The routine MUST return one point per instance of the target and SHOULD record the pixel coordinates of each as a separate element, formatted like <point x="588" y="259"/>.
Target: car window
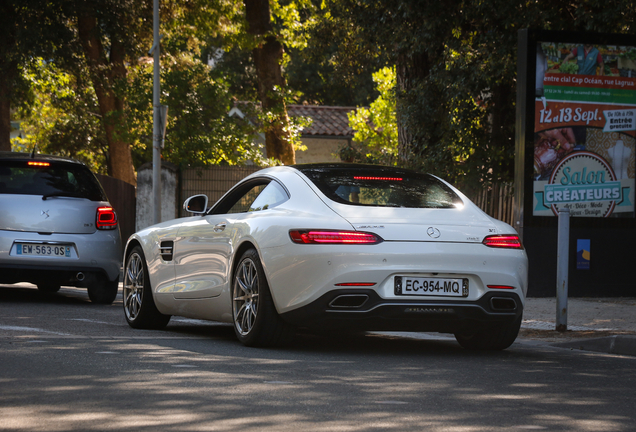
<point x="255" y="195"/>
<point x="243" y="204"/>
<point x="271" y="196"/>
<point x="49" y="179"/>
<point x="380" y="186"/>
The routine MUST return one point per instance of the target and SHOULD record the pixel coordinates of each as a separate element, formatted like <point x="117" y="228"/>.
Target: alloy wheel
<point x="133" y="286"/>
<point x="245" y="296"/>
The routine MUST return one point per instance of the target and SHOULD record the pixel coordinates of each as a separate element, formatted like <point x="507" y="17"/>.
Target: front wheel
<point x="139" y="305"/>
<point x="256" y="322"/>
<point x="494" y="339"/>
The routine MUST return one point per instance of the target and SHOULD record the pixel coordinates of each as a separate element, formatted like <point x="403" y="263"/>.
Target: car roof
<point x="336" y="165"/>
<point x="354" y="167"/>
<point x="17" y="156"/>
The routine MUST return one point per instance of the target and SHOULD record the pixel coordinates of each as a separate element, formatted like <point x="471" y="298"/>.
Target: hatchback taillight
<point x="333" y="237"/>
<point x="503" y="241"/>
<point x="106" y="218"/>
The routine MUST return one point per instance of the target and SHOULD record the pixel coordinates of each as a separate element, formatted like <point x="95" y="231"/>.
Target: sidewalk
<point x="594" y="324"/>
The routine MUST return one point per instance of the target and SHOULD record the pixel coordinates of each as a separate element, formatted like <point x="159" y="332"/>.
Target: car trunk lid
<point x="30" y="213"/>
<point x="465" y="225"/>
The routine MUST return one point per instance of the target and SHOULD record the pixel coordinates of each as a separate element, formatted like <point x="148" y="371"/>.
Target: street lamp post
<point x="157" y="133"/>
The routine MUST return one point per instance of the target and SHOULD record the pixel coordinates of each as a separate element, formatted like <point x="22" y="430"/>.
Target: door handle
<point x="220" y="227"/>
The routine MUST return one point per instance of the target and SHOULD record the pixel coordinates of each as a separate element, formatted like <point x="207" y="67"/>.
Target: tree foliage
<point x="199" y="131"/>
<point x="454" y="62"/>
<point x="376" y="126"/>
<point x="98" y="90"/>
<point x="62" y="117"/>
<point x="29" y="29"/>
<point x="456" y="67"/>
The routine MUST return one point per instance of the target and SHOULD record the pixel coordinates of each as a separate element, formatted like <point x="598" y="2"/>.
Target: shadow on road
<point x="24" y="293"/>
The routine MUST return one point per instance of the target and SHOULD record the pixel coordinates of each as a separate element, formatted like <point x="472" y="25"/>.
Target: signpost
<point x="563" y="255"/>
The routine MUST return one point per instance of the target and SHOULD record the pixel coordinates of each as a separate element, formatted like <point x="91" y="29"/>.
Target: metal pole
<point x="156" y="120"/>
<point x="562" y="270"/>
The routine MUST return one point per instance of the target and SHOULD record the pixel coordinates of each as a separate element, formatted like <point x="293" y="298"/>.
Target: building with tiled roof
<point x="328" y="121"/>
<point x="328" y="132"/>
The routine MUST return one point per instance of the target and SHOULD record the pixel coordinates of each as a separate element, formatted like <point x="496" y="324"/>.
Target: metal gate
<point x="212" y="181"/>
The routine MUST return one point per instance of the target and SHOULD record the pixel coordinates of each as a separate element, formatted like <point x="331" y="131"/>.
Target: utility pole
<point x="157" y="133"/>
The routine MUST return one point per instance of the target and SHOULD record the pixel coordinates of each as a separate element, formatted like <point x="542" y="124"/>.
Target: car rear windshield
<point x="380" y="186"/>
<point x="49" y="179"/>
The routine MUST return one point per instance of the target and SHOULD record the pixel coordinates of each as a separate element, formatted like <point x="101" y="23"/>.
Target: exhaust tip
<point x="503" y="304"/>
<point x="349" y="301"/>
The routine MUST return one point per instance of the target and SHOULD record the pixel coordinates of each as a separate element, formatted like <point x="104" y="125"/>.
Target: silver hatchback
<point x="57" y="227"/>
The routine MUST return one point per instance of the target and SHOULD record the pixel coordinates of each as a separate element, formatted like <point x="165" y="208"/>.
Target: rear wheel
<point x="103" y="291"/>
<point x="494" y="338"/>
<point x="256" y="322"/>
<point x="139" y="305"/>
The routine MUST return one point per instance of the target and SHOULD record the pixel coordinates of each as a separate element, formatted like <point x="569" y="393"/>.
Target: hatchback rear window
<point x="366" y="185"/>
<point x="49" y="179"/>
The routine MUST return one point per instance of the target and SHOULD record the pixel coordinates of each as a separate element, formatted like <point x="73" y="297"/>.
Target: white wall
<point x="169" y="194"/>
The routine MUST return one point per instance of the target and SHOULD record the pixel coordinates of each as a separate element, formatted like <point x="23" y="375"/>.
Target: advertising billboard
<point x="584" y="129"/>
<point x="575" y="137"/>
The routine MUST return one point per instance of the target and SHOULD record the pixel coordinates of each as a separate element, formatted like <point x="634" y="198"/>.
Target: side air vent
<point x="165" y="250"/>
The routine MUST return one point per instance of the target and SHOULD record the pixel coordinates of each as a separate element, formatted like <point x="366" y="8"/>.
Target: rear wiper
<point x="61" y="194"/>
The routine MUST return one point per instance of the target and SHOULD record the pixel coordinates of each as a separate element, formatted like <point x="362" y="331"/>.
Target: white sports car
<point x="332" y="246"/>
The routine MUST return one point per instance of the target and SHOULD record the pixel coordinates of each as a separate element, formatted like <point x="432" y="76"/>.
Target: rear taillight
<point x="106" y="218"/>
<point x="333" y="237"/>
<point x="500" y="287"/>
<point x="503" y="241"/>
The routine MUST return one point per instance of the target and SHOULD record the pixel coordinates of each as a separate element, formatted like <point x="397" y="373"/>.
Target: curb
<point x="618" y="344"/>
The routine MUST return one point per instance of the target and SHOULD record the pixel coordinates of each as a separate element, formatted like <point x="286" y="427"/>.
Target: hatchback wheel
<point x="103" y="291"/>
<point x="139" y="305"/>
<point x="256" y="322"/>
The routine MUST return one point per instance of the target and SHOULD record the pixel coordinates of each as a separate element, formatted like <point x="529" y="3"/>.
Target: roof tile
<point x="327" y="120"/>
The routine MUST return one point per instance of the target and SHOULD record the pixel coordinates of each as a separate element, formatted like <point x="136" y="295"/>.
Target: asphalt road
<point x="68" y="365"/>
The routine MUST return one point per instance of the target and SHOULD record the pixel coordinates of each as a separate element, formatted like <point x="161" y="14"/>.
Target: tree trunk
<point x="104" y="74"/>
<point x="8" y="71"/>
<point x="421" y="110"/>
<point x="268" y="56"/>
<point x="502" y="142"/>
<point x="5" y="115"/>
<point x="410" y="70"/>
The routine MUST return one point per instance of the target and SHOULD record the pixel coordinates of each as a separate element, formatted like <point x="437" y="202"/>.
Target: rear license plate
<point x="425" y="286"/>
<point x="44" y="250"/>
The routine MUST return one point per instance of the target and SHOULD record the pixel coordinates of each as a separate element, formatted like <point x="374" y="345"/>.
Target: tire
<point x="493" y="339"/>
<point x="256" y="322"/>
<point x="103" y="291"/>
<point x="48" y="288"/>
<point x="139" y="306"/>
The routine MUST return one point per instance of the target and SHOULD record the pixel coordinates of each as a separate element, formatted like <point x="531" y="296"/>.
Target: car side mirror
<point x="197" y="204"/>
